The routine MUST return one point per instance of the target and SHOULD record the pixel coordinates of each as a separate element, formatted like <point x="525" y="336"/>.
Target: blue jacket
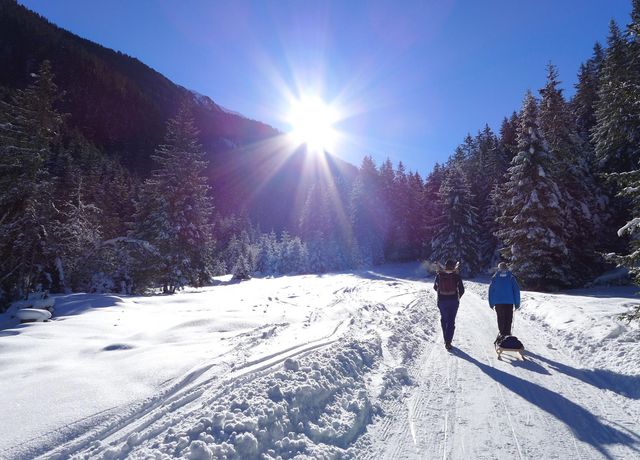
<point x="504" y="289"/>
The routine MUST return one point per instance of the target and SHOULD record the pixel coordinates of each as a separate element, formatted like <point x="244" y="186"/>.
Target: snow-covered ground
<point x="336" y="366"/>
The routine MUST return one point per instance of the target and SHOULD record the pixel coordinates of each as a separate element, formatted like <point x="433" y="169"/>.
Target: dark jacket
<point x="459" y="285"/>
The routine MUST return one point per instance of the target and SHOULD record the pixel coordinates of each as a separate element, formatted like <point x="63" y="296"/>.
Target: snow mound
<point x="312" y="406"/>
<point x="588" y="324"/>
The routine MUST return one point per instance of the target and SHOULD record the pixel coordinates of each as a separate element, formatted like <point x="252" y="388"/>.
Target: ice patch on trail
<point x="313" y="406"/>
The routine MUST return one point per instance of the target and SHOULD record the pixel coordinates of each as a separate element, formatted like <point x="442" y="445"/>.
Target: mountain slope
<point x="118" y="102"/>
<point x="121" y="105"/>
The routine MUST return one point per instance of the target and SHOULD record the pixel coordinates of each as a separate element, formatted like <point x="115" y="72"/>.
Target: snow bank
<point x="587" y="323"/>
<point x="313" y="406"/>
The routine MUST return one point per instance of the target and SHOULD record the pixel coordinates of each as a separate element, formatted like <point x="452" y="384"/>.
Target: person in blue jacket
<point x="504" y="298"/>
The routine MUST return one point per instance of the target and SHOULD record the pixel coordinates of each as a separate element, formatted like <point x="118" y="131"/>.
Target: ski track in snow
<point x="378" y="384"/>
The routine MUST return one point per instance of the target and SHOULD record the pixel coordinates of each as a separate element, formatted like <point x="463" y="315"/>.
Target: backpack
<point x="510" y="342"/>
<point x="448" y="284"/>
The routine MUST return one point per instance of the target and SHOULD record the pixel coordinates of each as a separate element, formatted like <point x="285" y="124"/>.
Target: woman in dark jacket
<point x="449" y="287"/>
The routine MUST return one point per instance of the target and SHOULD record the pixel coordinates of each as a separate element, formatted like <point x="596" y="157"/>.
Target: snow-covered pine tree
<point x="393" y="192"/>
<point x="242" y="269"/>
<point x="294" y="254"/>
<point x="368" y="215"/>
<point x="629" y="183"/>
<point x="466" y="152"/>
<point x="29" y="130"/>
<point x="76" y="231"/>
<point x="492" y="256"/>
<point x="486" y="168"/>
<point x="457" y="231"/>
<point x="269" y="254"/>
<point x="531" y="223"/>
<point x="387" y="188"/>
<point x="627" y="176"/>
<point x="414" y="216"/>
<point x="431" y="210"/>
<point x="175" y="209"/>
<point x="584" y="101"/>
<point x="574" y="178"/>
<point x="314" y="226"/>
<point x="616" y="134"/>
<point x="633" y="37"/>
<point x="509" y="137"/>
<point x="242" y="256"/>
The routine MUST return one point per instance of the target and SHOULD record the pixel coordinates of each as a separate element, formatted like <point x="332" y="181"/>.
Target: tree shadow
<point x="584" y="425"/>
<point x="9" y="333"/>
<point x="625" y="385"/>
<point x="75" y="304"/>
<point x="605" y="292"/>
<point x="410" y="271"/>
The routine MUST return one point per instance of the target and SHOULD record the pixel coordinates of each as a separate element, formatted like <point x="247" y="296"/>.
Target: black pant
<point x="505" y="316"/>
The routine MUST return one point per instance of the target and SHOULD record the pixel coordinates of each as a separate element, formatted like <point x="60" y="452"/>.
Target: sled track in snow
<point x="469" y="404"/>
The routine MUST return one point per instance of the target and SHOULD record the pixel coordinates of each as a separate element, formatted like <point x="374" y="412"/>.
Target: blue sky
<point x="412" y="78"/>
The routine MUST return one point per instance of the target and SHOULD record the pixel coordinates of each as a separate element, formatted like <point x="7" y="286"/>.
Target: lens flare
<point x="312" y="121"/>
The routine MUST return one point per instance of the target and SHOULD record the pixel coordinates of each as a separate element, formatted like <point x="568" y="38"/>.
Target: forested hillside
<point x="116" y="179"/>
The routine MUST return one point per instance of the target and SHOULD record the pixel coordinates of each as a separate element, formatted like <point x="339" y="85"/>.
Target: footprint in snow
<point x="118" y="346"/>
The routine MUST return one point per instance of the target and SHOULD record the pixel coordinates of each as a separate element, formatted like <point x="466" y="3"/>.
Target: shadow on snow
<point x="584" y="425"/>
<point x="625" y="385"/>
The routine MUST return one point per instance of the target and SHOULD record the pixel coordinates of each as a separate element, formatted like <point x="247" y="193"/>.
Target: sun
<point x="312" y="121"/>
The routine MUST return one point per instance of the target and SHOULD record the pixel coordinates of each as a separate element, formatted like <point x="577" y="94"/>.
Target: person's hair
<point x="502" y="266"/>
<point x="449" y="264"/>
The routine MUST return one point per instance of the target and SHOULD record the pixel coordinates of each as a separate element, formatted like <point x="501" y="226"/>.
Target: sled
<point x="518" y="351"/>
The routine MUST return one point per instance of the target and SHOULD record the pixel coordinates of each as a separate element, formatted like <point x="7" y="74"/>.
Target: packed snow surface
<point x="346" y="365"/>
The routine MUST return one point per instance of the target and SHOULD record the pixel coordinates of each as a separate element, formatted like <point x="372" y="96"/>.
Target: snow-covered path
<point x="469" y="404"/>
<point x="347" y="365"/>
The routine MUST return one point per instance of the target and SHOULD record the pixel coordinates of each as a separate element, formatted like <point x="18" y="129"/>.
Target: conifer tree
<point x="531" y="221"/>
<point x="622" y="131"/>
<point x="491" y="255"/>
<point x="368" y="216"/>
<point x="616" y="134"/>
<point x="29" y="130"/>
<point x="175" y="210"/>
<point x="414" y="216"/>
<point x="508" y="142"/>
<point x="573" y="177"/>
<point x="586" y="96"/>
<point x="456" y="237"/>
<point x="324" y="229"/>
<point x="486" y="168"/>
<point x="387" y="186"/>
<point x="431" y="207"/>
<point x="398" y="204"/>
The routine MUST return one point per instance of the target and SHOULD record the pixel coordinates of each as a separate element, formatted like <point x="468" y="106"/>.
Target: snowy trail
<point x="469" y="404"/>
<point x="343" y="367"/>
